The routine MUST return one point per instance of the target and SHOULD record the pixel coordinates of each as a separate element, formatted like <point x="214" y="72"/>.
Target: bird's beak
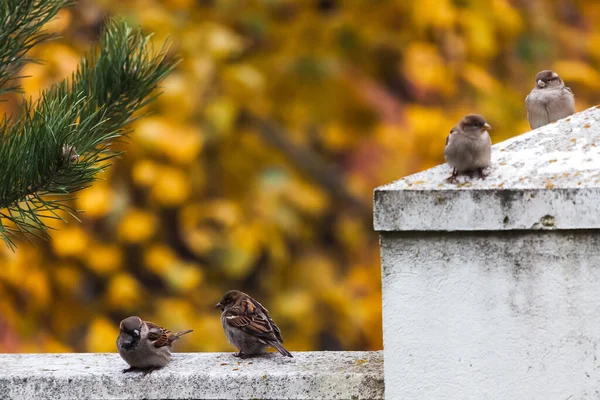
<point x="541" y="83"/>
<point x="218" y="305"/>
<point x="487" y="127"/>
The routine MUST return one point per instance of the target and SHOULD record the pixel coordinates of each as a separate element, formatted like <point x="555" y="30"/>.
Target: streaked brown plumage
<point x="248" y="326"/>
<point x="145" y="345"/>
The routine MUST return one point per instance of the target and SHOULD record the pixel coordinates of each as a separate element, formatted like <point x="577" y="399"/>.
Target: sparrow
<point x="248" y="326"/>
<point x="549" y="101"/>
<point x="144" y="345"/>
<point x="468" y="146"/>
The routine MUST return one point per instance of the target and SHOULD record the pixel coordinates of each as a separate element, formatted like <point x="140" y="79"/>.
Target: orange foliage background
<point x="256" y="167"/>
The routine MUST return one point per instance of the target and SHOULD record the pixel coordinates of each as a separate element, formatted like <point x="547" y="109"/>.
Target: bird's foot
<point x="239" y="354"/>
<point x="481" y="174"/>
<point x="145" y="371"/>
<point x="150" y="370"/>
<point x="452" y="178"/>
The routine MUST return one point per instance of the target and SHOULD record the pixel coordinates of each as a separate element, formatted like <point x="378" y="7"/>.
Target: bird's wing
<point x="452" y="132"/>
<point x="265" y="314"/>
<point x="568" y="89"/>
<point x="251" y="317"/>
<point x="158" y="335"/>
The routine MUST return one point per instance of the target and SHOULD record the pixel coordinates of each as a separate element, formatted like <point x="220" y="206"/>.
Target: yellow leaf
<point x="436" y="13"/>
<point x="36" y="284"/>
<point x="479" y="32"/>
<point x="68" y="277"/>
<point x="171" y="187"/>
<point x="577" y="71"/>
<point x="102" y="335"/>
<point x="123" y="292"/>
<point x="58" y="23"/>
<point x="480" y="78"/>
<point x="184" y="277"/>
<point x="508" y="19"/>
<point x="104" y="259"/>
<point x="137" y="226"/>
<point x="144" y="172"/>
<point x="425" y="68"/>
<point x="69" y="241"/>
<point x="96" y="201"/>
<point x="159" y="258"/>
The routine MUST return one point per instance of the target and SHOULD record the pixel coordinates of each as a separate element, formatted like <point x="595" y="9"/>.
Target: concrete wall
<point x="491" y="288"/>
<point x="309" y="375"/>
<point x="510" y="315"/>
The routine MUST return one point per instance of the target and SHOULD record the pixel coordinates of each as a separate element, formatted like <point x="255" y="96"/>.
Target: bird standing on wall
<point x="549" y="101"/>
<point x="145" y="345"/>
<point x="469" y="146"/>
<point x="248" y="326"/>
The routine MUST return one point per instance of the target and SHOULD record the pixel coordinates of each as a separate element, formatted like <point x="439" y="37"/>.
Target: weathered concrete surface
<point x="491" y="288"/>
<point x="504" y="315"/>
<point x="309" y="375"/>
<point x="548" y="178"/>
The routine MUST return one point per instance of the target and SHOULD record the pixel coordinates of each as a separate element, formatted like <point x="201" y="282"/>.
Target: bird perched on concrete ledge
<point x="549" y="101"/>
<point x="468" y="146"/>
<point x="144" y="345"/>
<point x="248" y="326"/>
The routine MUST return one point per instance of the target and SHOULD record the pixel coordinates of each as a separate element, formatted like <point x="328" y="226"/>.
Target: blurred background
<point x="256" y="167"/>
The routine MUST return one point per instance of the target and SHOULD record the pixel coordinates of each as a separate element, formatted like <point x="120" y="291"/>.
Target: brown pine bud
<point x="69" y="154"/>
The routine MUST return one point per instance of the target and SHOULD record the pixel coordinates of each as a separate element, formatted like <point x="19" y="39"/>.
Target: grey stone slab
<point x="309" y="375"/>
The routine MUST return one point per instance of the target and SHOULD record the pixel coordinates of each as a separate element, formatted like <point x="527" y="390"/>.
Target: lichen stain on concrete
<point x="508" y="196"/>
<point x="519" y="270"/>
<point x="548" y="221"/>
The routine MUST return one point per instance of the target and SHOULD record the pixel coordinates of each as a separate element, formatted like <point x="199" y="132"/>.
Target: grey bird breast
<point x="145" y="355"/>
<point x="545" y="106"/>
<point x="248" y="344"/>
<point x="468" y="153"/>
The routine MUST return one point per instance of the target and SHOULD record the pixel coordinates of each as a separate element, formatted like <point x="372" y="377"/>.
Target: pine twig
<point x="21" y="23"/>
<point x="61" y="142"/>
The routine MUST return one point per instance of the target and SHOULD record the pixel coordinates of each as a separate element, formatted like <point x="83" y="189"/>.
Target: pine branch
<point x="61" y="142"/>
<point x="21" y="22"/>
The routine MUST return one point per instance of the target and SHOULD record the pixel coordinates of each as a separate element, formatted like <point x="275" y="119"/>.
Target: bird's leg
<point x="452" y="178"/>
<point x="150" y="370"/>
<point x="130" y="369"/>
<point x="481" y="174"/>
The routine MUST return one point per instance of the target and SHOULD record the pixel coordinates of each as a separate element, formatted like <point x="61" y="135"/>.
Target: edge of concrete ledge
<point x="309" y="375"/>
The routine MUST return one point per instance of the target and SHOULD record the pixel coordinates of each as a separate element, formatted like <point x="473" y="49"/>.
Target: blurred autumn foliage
<point x="256" y="166"/>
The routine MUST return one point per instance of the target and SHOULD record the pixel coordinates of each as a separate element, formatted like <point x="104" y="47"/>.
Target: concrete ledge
<point x="544" y="179"/>
<point x="309" y="375"/>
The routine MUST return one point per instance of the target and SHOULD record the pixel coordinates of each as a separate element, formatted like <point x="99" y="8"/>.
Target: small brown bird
<point x="549" y="101"/>
<point x="144" y="345"/>
<point x="248" y="326"/>
<point x="468" y="146"/>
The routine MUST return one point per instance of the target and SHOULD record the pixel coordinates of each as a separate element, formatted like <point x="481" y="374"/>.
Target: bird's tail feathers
<point x="178" y="335"/>
<point x="282" y="350"/>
